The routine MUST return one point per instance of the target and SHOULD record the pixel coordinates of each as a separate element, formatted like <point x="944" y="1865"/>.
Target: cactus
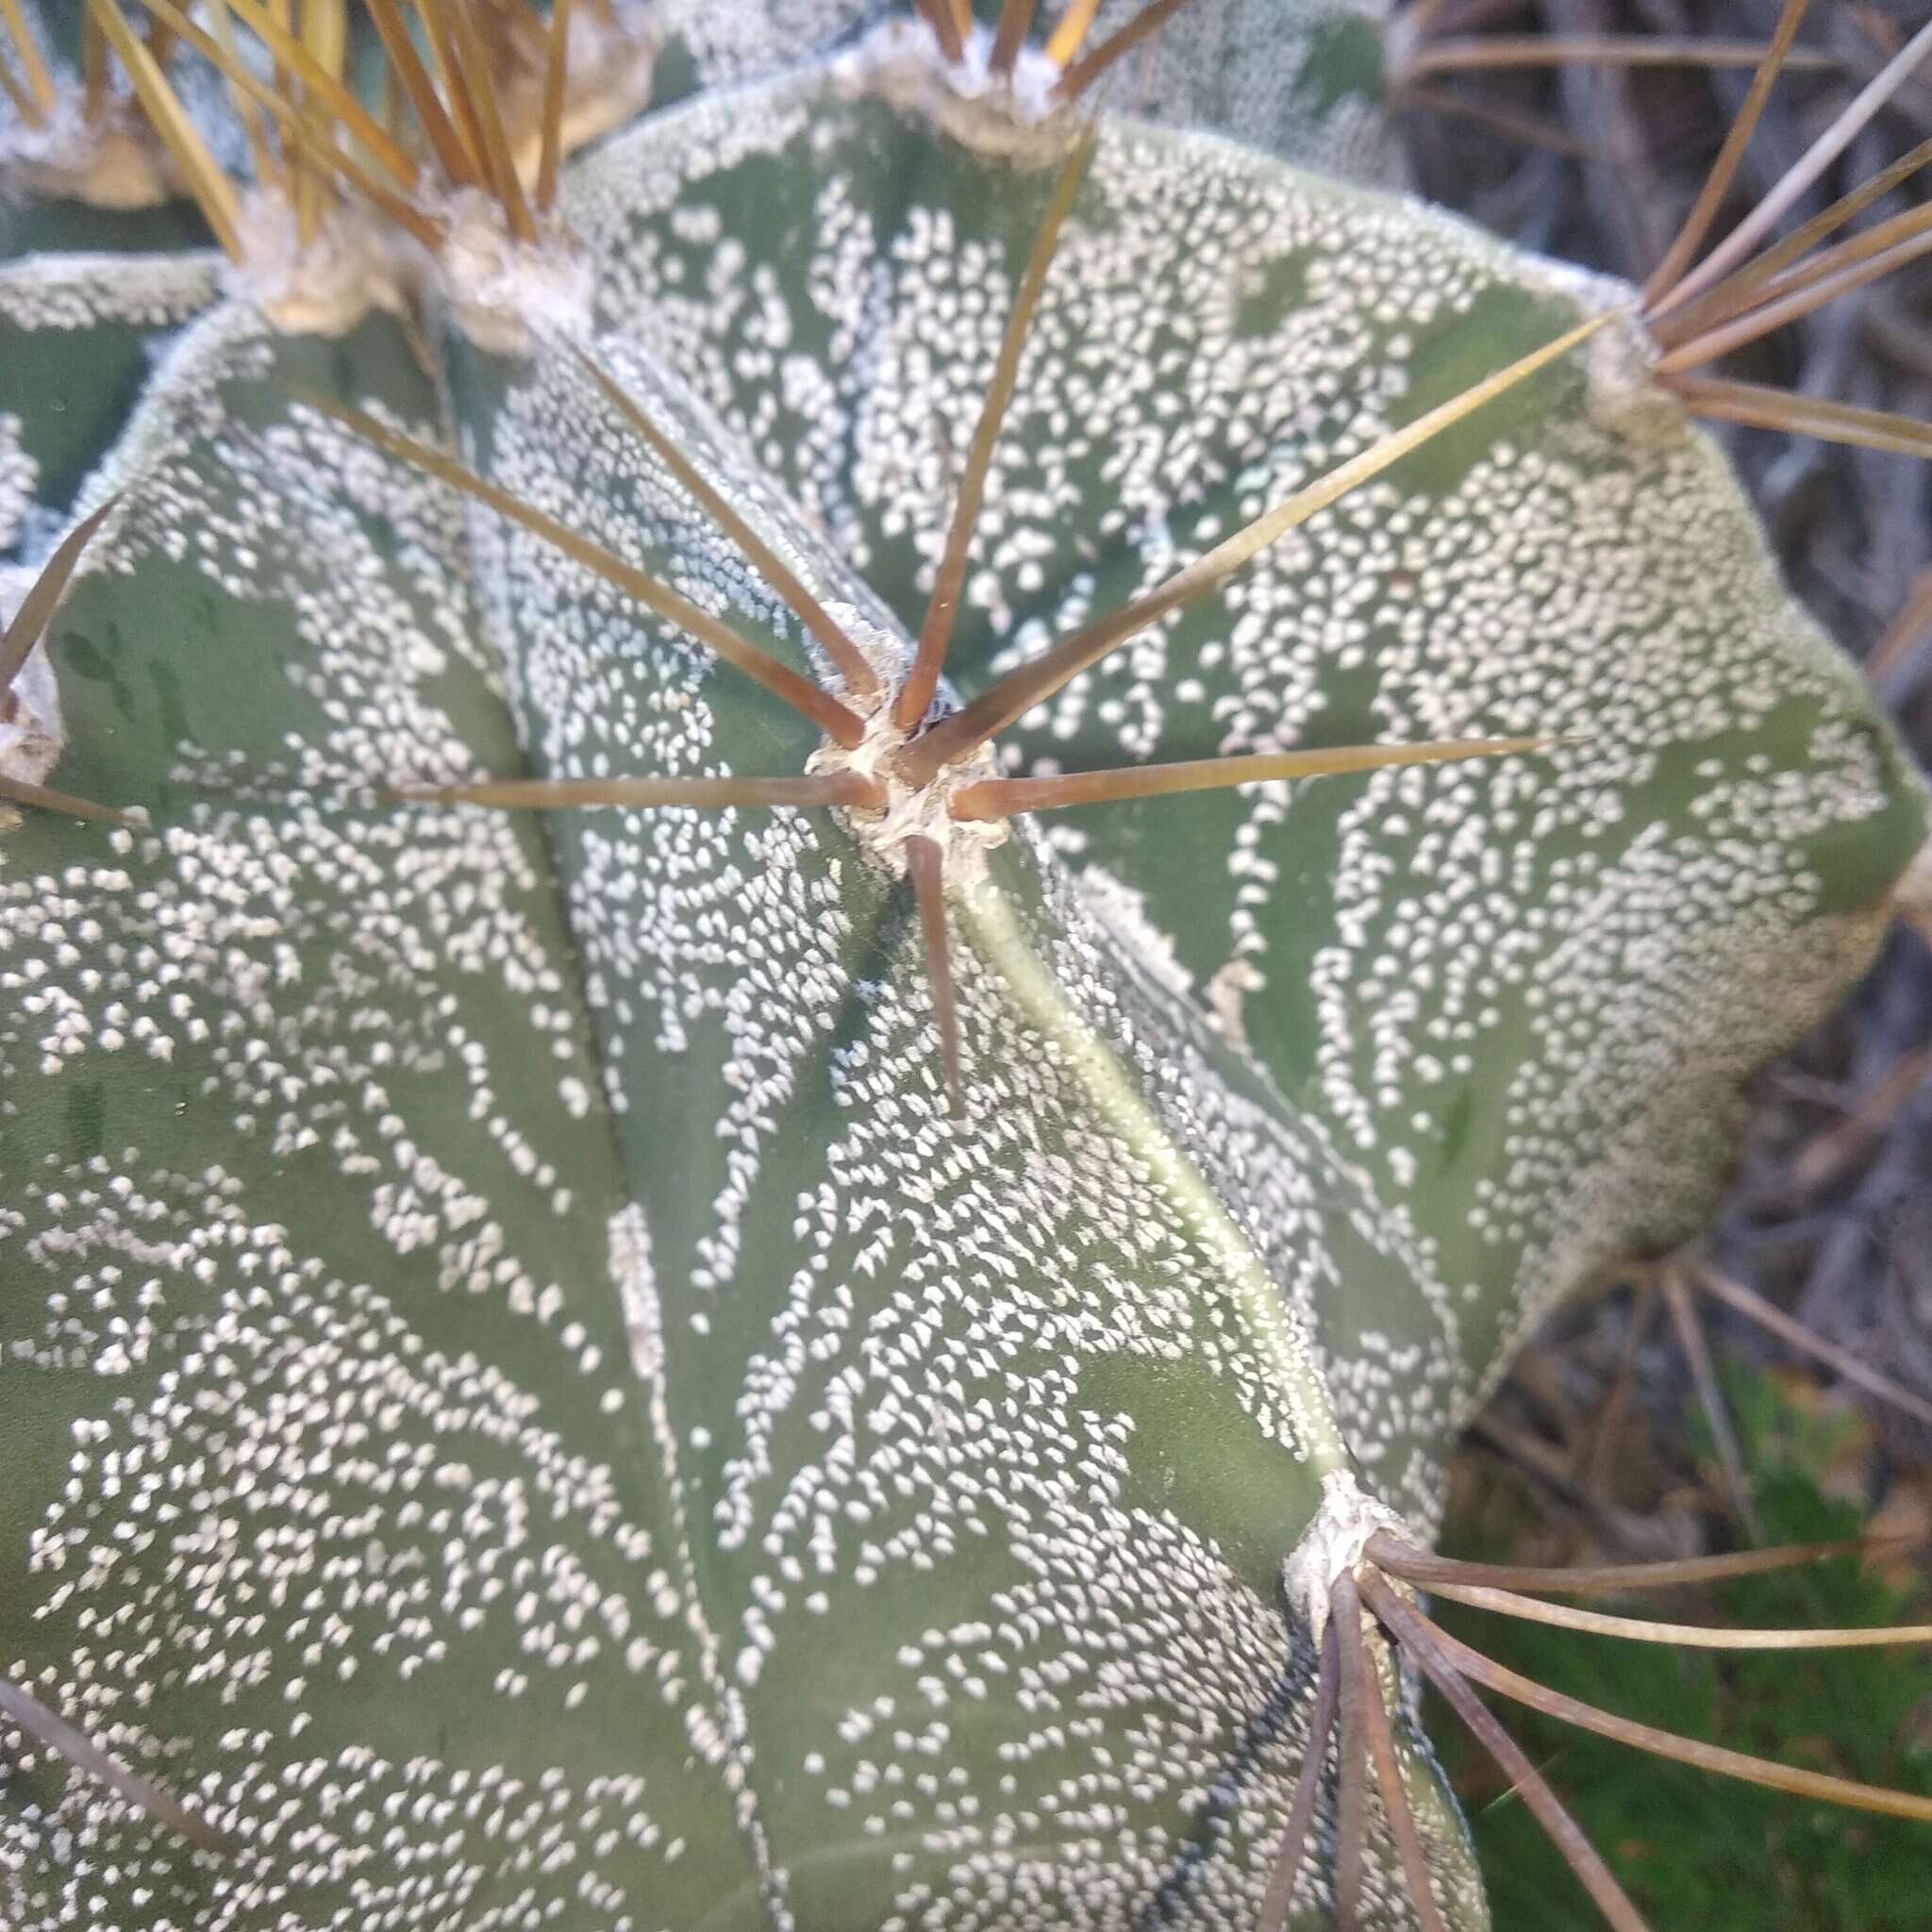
<point x="81" y="175"/>
<point x="858" y="1325"/>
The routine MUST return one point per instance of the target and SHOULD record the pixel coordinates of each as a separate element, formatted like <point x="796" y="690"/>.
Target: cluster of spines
<point x="1080" y="65"/>
<point x="441" y="126"/>
<point x="448" y="71"/>
<point x="930" y="746"/>
<point x="1696" y="309"/>
<point x="32" y="90"/>
<point x="1699" y="310"/>
<point x="1372" y="1604"/>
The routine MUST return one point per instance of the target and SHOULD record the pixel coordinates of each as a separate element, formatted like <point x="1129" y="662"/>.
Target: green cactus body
<point x="79" y="322"/>
<point x="521" y="1405"/>
<point x="78" y="337"/>
<point x="1554" y="565"/>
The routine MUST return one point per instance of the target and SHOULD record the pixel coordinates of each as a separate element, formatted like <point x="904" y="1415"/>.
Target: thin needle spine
<point x="1089" y="68"/>
<point x="556" y="77"/>
<point x="472" y="66"/>
<point x="1387" y="1769"/>
<point x="1843" y="275"/>
<point x="37" y="608"/>
<point x="414" y="78"/>
<point x="63" y="804"/>
<point x="324" y="41"/>
<point x="859" y="674"/>
<point x="1016" y="693"/>
<point x="40" y="82"/>
<point x="78" y="1749"/>
<point x="849" y="788"/>
<point x="206" y="180"/>
<point x="269" y="172"/>
<point x="1016" y="23"/>
<point x="1063" y="45"/>
<point x="1789" y="1779"/>
<point x="822" y="709"/>
<point x="1415" y="1635"/>
<point x="937" y="14"/>
<point x="1754" y="406"/>
<point x="442" y="52"/>
<point x="303" y="131"/>
<point x="1279" y="1897"/>
<point x="1431" y="1572"/>
<point x="1531" y="1610"/>
<point x="327" y="85"/>
<point x="916" y="694"/>
<point x="1730" y="295"/>
<point x="1799" y="179"/>
<point x="25" y="105"/>
<point x="1502" y="51"/>
<point x="28" y="626"/>
<point x="999" y="798"/>
<point x="1704" y="212"/>
<point x="1352" y="1805"/>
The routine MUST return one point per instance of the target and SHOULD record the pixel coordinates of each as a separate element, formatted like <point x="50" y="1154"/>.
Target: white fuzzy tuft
<point x="31" y="738"/>
<point x="324" y="285"/>
<point x="503" y="292"/>
<point x="70" y="157"/>
<point x="901" y="61"/>
<point x="1332" y="1546"/>
<point x="921" y="812"/>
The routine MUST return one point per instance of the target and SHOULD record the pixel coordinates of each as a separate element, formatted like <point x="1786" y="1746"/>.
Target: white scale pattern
<point x="1609" y="582"/>
<point x="894" y="1301"/>
<point x="287" y="1481"/>
<point x="18" y="475"/>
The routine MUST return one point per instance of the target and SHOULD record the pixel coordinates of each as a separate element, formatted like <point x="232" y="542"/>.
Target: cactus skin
<point x="352" y="1320"/>
<point x="327" y="1207"/>
<point x="352" y="954"/>
<point x="1294" y="75"/>
<point x="78" y="339"/>
<point x="1279" y="355"/>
